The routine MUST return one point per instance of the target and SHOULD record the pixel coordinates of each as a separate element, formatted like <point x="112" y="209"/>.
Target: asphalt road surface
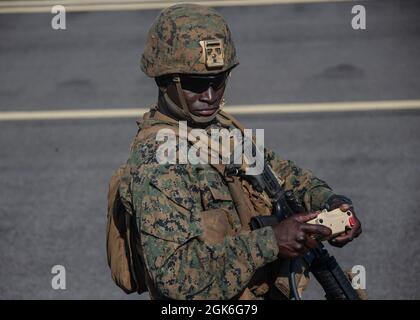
<point x="54" y="174"/>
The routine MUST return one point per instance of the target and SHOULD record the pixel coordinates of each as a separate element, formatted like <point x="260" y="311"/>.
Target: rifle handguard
<point x="263" y="221"/>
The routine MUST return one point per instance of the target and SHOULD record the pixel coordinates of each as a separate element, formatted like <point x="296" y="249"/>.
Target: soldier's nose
<point x="208" y="95"/>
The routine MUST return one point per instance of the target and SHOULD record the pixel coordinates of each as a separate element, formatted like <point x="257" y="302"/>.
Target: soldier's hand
<point x="349" y="235"/>
<point x="295" y="237"/>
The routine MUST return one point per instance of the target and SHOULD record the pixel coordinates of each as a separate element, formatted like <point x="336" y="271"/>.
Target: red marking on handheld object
<point x="352" y="221"/>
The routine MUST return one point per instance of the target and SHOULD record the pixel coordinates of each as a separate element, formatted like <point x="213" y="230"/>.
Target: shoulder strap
<point x="242" y="203"/>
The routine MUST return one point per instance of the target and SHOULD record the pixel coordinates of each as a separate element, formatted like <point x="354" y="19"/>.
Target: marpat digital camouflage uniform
<point x="171" y="201"/>
<point x="193" y="243"/>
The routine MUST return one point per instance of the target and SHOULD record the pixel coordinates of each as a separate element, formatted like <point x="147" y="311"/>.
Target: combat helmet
<point x="188" y="39"/>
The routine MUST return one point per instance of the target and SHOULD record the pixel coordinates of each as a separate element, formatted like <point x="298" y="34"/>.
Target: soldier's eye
<point x="196" y="85"/>
<point x="200" y="84"/>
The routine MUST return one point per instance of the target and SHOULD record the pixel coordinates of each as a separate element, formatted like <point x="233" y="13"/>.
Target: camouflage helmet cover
<point x="188" y="39"/>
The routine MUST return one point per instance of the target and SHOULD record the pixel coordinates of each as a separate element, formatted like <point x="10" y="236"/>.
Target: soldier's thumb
<point x="305" y="217"/>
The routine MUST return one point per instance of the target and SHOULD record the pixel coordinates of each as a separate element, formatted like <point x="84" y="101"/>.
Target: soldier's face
<point x="203" y="94"/>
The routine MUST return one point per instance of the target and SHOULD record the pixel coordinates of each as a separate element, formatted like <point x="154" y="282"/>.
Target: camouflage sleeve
<point x="181" y="263"/>
<point x="308" y="189"/>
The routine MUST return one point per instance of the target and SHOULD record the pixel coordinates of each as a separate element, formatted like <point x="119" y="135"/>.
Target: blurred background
<point x="54" y="173"/>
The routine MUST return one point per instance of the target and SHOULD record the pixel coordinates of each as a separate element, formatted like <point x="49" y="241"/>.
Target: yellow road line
<point x="238" y="110"/>
<point x="72" y="114"/>
<point x="328" y="107"/>
<point x="129" y="5"/>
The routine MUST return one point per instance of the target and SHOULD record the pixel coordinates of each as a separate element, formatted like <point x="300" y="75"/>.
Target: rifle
<point x="321" y="264"/>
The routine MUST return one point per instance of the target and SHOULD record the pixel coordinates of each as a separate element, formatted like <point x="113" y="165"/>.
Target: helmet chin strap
<point x="184" y="112"/>
<point x="173" y="108"/>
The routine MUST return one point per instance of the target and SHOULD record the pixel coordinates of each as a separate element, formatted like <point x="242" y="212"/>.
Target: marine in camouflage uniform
<point x="193" y="242"/>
